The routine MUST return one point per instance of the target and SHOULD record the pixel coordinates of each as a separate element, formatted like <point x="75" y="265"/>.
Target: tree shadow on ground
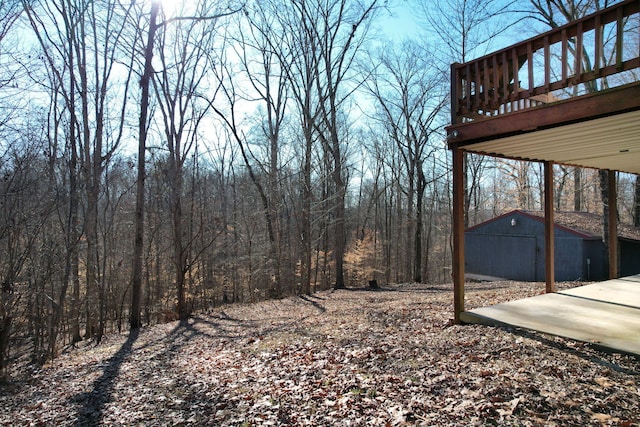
<point x="196" y="326"/>
<point x="321" y="308"/>
<point x="563" y="346"/>
<point x="399" y="289"/>
<point x="91" y="404"/>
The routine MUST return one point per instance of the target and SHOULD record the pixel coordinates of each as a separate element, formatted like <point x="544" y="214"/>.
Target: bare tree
<point x="466" y="29"/>
<point x="339" y="28"/>
<point x="9" y="13"/>
<point x="296" y="48"/>
<point x="410" y="98"/>
<point x="80" y="43"/>
<point x="261" y="56"/>
<point x="184" y="55"/>
<point x="171" y="117"/>
<point x="135" y="320"/>
<point x="25" y="211"/>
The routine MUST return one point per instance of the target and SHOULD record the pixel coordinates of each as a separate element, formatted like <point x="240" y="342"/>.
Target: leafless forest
<point x="160" y="160"/>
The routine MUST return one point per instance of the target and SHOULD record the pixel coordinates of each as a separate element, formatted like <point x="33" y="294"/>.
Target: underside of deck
<point x="569" y="96"/>
<point x="605" y="314"/>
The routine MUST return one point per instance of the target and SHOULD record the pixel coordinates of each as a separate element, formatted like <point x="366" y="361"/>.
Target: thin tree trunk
<point x="417" y="261"/>
<point x="340" y="232"/>
<point x="306" y="213"/>
<point x="604" y="197"/>
<point x="410" y="226"/>
<point x="577" y="189"/>
<point x="73" y="233"/>
<point x="135" y="320"/>
<point x="5" y="328"/>
<point x="180" y="258"/>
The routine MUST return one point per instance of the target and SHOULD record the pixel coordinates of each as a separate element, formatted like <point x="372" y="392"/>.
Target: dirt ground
<point x="388" y="357"/>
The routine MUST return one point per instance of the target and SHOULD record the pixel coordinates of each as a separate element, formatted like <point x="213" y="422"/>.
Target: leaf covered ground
<point x="346" y="358"/>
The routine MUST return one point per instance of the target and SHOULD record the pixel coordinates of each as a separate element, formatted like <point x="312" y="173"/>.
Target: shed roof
<point x="585" y="224"/>
<point x="589" y="222"/>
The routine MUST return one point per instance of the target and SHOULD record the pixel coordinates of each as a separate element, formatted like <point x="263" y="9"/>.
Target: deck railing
<point x="572" y="60"/>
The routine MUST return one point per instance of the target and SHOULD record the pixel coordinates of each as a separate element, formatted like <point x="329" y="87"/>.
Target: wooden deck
<point x="506" y="103"/>
<point x="606" y="314"/>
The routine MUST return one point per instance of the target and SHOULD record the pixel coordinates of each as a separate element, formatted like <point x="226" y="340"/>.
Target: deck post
<point x="612" y="201"/>
<point x="458" y="232"/>
<point x="549" y="236"/>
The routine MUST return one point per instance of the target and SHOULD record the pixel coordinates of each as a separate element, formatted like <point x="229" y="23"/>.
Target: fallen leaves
<point x="352" y="358"/>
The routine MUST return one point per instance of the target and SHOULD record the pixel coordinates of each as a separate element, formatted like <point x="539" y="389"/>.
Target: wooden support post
<point x="612" y="199"/>
<point x="458" y="232"/>
<point x="549" y="236"/>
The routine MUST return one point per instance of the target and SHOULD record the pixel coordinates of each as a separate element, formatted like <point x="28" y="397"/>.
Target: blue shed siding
<point x="596" y="260"/>
<point x="629" y="258"/>
<point x="515" y="250"/>
<point x="568" y="259"/>
<point x="500" y="255"/>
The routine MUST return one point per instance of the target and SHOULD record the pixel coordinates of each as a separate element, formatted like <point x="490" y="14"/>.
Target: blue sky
<point x="402" y="23"/>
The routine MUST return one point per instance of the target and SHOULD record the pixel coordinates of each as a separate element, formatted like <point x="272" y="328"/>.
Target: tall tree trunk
<point x="5" y="328"/>
<point x="417" y="261"/>
<point x="70" y="275"/>
<point x="636" y="203"/>
<point x="604" y="197"/>
<point x="75" y="303"/>
<point x="274" y="196"/>
<point x="91" y="182"/>
<point x="340" y="237"/>
<point x="410" y="245"/>
<point x="135" y="320"/>
<point x="73" y="233"/>
<point x="339" y="230"/>
<point x="306" y="213"/>
<point x="93" y="300"/>
<point x="180" y="254"/>
<point x="577" y="189"/>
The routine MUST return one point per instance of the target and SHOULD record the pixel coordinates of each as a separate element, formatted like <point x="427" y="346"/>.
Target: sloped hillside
<point x="356" y="357"/>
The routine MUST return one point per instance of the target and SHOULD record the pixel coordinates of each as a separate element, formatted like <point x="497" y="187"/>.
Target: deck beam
<point x="458" y="233"/>
<point x="549" y="235"/>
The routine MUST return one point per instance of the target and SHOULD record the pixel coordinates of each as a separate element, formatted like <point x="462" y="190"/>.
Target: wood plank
<point x="601" y="104"/>
<point x="456" y="87"/>
<point x="599" y="45"/>
<point x="565" y="56"/>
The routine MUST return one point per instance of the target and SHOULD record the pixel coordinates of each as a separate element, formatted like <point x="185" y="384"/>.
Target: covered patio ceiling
<point x="611" y="143"/>
<point x="600" y="131"/>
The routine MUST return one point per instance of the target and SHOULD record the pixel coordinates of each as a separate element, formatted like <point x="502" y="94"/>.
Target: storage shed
<point x="511" y="246"/>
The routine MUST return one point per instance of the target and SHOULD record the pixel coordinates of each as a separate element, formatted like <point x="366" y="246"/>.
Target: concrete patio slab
<point x="625" y="291"/>
<point x="606" y="314"/>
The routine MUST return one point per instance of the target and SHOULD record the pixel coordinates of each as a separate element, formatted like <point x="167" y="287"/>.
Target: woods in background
<point x="280" y="151"/>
